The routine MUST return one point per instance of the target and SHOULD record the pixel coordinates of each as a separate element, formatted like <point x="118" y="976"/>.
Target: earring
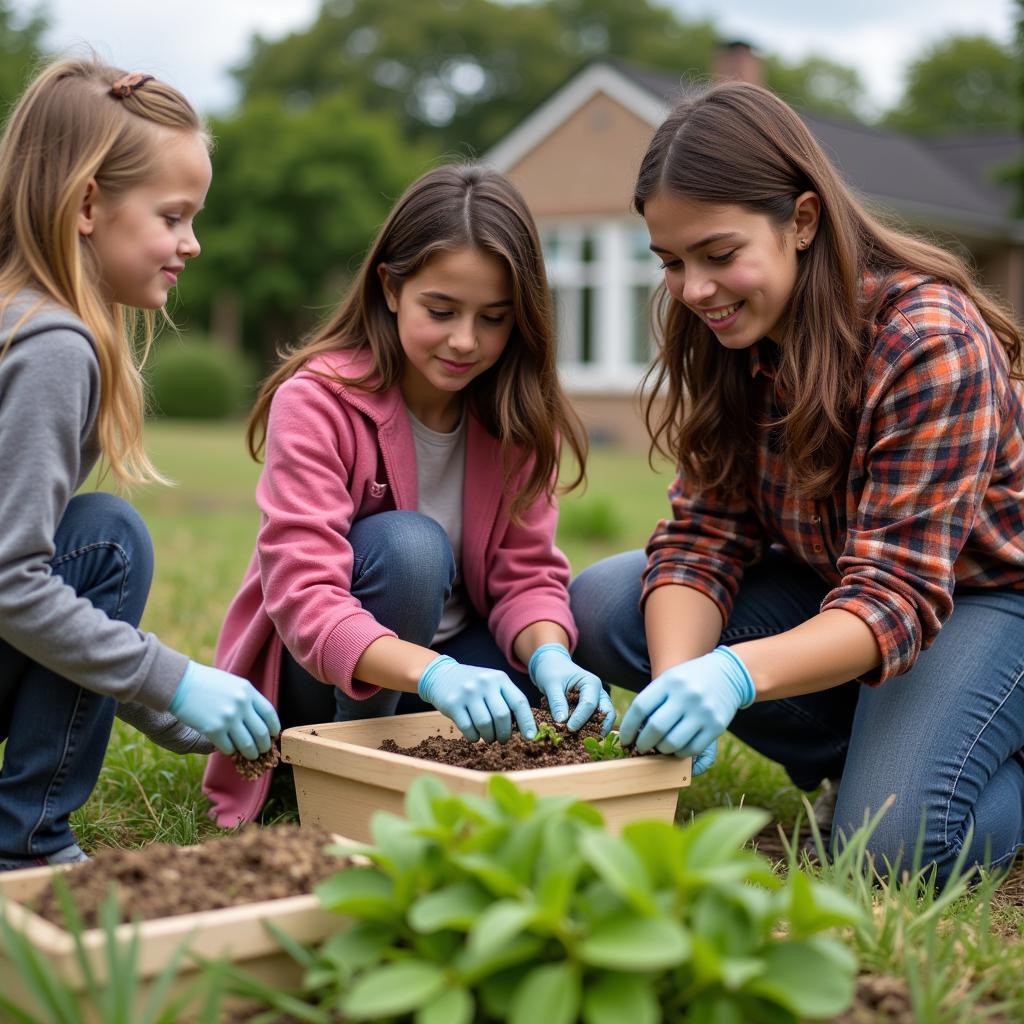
<point x="802" y="243"/>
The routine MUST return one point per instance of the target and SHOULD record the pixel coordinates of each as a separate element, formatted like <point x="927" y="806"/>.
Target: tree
<point x="965" y="83"/>
<point x="20" y="51"/>
<point x="816" y="84"/>
<point x="461" y="74"/>
<point x="296" y="197"/>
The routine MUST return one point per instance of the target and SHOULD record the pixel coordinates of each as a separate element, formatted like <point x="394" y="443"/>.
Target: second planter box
<point x="341" y="777"/>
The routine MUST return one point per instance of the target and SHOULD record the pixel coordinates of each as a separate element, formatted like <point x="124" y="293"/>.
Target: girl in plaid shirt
<point x="842" y="402"/>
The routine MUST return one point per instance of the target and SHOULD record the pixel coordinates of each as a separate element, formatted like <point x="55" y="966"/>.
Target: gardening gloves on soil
<point x="164" y="729"/>
<point x="480" y="701"/>
<point x="685" y="709"/>
<point x="555" y="674"/>
<point x="227" y="709"/>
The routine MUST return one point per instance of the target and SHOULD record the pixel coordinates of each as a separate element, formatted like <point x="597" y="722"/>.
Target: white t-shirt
<point x="440" y="475"/>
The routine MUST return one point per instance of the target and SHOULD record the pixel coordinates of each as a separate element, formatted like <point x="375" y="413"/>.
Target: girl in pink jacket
<point x="406" y="543"/>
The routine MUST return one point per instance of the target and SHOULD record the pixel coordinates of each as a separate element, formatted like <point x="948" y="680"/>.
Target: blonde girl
<point x="101" y="175"/>
<point x="841" y="582"/>
<point x="407" y="503"/>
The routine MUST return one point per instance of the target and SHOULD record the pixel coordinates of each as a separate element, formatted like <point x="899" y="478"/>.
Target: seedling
<point x="546" y="731"/>
<point x="608" y="748"/>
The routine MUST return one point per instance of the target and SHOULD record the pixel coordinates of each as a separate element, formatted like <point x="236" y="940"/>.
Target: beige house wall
<point x="588" y="166"/>
<point x="1002" y="270"/>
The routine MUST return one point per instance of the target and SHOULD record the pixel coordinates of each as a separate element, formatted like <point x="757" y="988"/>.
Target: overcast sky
<point x="192" y="43"/>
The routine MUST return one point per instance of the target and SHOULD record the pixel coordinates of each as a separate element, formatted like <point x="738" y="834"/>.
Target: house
<point x="575" y="158"/>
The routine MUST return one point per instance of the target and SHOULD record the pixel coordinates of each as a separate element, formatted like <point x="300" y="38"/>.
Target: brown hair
<point x="519" y="400"/>
<point x="67" y="129"/>
<point x="737" y="143"/>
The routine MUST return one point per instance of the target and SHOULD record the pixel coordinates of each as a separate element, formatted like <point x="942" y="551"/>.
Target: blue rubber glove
<point x="704" y="761"/>
<point x="554" y="673"/>
<point x="480" y="701"/>
<point x="227" y="709"/>
<point x="688" y="706"/>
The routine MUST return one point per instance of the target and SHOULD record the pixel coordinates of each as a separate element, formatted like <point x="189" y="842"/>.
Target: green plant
<point x="608" y="748"/>
<point x="547" y="732"/>
<point x="518" y="908"/>
<point x="592" y="518"/>
<point x="113" y="999"/>
<point x="194" y="379"/>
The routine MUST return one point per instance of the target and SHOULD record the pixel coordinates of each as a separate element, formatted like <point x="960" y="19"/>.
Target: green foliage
<point x="459" y="75"/>
<point x="111" y="994"/>
<point x="194" y="379"/>
<point x="298" y="192"/>
<point x="964" y="83"/>
<point x="20" y="52"/>
<point x="608" y="748"/>
<point x="591" y="518"/>
<point x="503" y="908"/>
<point x="548" y="733"/>
<point x="816" y="84"/>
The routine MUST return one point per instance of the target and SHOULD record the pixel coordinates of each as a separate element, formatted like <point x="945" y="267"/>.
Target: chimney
<point x="736" y="61"/>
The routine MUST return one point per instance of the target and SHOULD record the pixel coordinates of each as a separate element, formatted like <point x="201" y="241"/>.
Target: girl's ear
<point x="87" y="211"/>
<point x="806" y="214"/>
<point x="385" y="282"/>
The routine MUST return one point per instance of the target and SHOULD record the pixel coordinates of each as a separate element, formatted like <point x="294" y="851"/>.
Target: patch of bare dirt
<point x="517" y="754"/>
<point x="879" y="999"/>
<point x="164" y="880"/>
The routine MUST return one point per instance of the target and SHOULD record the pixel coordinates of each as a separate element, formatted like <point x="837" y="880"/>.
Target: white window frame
<point x="612" y="275"/>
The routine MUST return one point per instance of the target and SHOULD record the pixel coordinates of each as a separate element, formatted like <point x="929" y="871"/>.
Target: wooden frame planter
<point x="341" y="777"/>
<point x="233" y="933"/>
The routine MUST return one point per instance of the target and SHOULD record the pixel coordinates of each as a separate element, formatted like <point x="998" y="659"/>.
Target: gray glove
<point x="164" y="729"/>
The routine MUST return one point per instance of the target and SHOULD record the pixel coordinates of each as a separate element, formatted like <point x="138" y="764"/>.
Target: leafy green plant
<point x="608" y="748"/>
<point x="193" y="378"/>
<point x="547" y="732"/>
<point x="112" y="996"/>
<point x="592" y="518"/>
<point x="518" y="908"/>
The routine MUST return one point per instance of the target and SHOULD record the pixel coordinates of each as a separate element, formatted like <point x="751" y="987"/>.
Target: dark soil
<point x="515" y="755"/>
<point x="164" y="880"/>
<point x="253" y="769"/>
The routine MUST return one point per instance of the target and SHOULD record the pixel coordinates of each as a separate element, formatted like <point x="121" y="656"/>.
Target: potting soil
<point x="517" y="754"/>
<point x="253" y="769"/>
<point x="164" y="880"/>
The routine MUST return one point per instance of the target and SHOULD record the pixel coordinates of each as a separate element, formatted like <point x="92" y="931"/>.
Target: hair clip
<point x="124" y="87"/>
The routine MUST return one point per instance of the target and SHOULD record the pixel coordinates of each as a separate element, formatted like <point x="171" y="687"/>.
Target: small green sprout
<point x="546" y="731"/>
<point x="606" y="749"/>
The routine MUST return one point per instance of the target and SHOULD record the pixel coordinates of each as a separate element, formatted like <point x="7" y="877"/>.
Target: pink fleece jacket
<point x="334" y="455"/>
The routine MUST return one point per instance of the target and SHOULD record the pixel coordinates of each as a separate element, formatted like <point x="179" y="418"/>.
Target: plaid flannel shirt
<point x="934" y="499"/>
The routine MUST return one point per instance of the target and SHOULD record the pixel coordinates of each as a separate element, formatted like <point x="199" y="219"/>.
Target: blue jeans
<point x="56" y="731"/>
<point x="402" y="574"/>
<point x="943" y="738"/>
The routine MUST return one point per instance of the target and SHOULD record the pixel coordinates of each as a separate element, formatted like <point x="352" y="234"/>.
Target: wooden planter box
<point x="234" y="933"/>
<point x="341" y="778"/>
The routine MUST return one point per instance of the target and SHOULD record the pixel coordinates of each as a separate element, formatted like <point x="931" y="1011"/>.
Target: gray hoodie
<point x="49" y="398"/>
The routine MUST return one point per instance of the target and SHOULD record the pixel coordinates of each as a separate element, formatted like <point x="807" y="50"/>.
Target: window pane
<point x="641" y="346"/>
<point x="588" y="303"/>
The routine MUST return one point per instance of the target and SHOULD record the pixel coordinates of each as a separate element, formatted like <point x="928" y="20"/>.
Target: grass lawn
<point x="946" y="953"/>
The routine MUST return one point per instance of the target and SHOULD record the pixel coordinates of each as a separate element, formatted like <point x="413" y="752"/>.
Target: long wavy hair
<point x="519" y="400"/>
<point x="736" y="143"/>
<point x="65" y="131"/>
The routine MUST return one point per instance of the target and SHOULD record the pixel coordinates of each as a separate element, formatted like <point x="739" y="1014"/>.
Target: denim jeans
<point x="402" y="574"/>
<point x="56" y="731"/>
<point x="943" y="738"/>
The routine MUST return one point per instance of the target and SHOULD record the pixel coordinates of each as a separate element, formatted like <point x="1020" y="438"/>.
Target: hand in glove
<point x="480" y="701"/>
<point x="555" y="674"/>
<point x="686" y="708"/>
<point x="227" y="709"/>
